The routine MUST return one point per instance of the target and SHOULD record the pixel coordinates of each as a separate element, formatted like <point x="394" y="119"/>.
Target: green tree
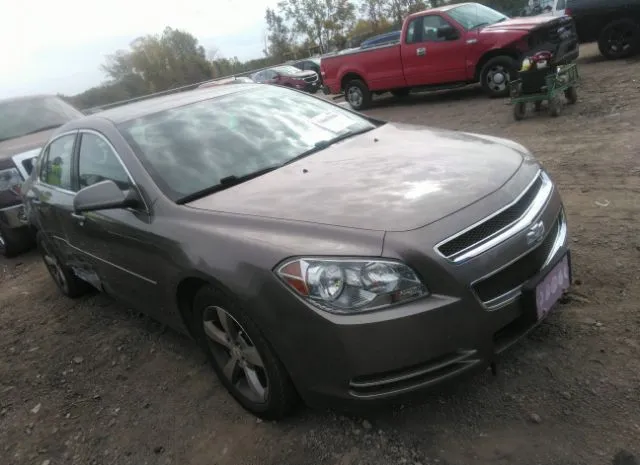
<point x="279" y="38"/>
<point x="323" y="22"/>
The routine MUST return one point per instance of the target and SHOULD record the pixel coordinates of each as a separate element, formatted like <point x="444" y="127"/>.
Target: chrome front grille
<point x="505" y="284"/>
<point x="498" y="227"/>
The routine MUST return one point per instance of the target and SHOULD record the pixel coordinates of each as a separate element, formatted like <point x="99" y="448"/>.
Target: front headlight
<point x="351" y="285"/>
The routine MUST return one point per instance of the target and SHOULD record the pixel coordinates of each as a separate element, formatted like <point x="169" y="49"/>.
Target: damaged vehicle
<point x="25" y="125"/>
<point x="312" y="252"/>
<point x="447" y="47"/>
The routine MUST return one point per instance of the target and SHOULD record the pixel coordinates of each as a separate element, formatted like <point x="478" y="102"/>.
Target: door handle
<point x="80" y="218"/>
<point x="421" y="51"/>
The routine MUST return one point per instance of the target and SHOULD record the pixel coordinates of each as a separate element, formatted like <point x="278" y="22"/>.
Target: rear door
<point x="429" y="55"/>
<point x="51" y="196"/>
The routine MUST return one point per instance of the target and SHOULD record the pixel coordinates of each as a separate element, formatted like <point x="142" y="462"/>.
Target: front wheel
<point x="619" y="39"/>
<point x="496" y="75"/>
<point x="357" y="94"/>
<point x="66" y="281"/>
<point x="241" y="356"/>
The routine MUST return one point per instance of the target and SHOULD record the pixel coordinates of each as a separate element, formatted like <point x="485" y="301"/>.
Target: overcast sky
<point x="58" y="46"/>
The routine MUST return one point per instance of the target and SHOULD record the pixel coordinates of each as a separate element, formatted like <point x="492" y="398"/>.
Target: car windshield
<point x="192" y="148"/>
<point x="19" y="117"/>
<point x="474" y="15"/>
<point x="287" y="69"/>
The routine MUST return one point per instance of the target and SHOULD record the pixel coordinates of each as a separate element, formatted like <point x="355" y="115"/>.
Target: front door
<point x="433" y="52"/>
<point x="114" y="247"/>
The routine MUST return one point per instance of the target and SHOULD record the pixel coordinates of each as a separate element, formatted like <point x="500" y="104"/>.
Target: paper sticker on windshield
<point x="331" y="121"/>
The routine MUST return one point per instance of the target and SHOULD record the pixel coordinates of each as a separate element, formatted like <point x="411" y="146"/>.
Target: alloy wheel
<point x="235" y="353"/>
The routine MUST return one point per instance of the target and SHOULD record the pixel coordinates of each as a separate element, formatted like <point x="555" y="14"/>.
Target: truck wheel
<point x="496" y="75"/>
<point x="619" y="39"/>
<point x="357" y="94"/>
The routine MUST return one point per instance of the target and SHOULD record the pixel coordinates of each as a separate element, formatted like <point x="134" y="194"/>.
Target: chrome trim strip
<point x="150" y="281"/>
<point x="509" y="296"/>
<point x="519" y="225"/>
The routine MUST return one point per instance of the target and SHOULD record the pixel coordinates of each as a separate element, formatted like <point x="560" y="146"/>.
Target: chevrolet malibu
<point x="312" y="252"/>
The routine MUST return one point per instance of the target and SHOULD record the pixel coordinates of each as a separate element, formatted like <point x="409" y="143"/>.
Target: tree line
<point x="295" y="29"/>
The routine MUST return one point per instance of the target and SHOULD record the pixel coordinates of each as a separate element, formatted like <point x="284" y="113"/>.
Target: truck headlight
<point x="351" y="285"/>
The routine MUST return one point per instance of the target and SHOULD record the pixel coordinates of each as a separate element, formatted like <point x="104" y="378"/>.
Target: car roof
<point x="142" y="108"/>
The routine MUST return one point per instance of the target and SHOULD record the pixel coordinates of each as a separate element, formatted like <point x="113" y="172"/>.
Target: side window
<point x="56" y="164"/>
<point x="97" y="162"/>
<point x="431" y="27"/>
<point x="413" y="31"/>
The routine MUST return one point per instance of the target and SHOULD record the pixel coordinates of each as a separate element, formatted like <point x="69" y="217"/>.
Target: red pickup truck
<point x="450" y="46"/>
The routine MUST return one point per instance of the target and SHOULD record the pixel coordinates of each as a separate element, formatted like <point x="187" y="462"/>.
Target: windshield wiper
<point x="225" y="183"/>
<point x="323" y="144"/>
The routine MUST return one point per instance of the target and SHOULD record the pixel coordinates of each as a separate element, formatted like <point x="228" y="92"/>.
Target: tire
<point x="555" y="107"/>
<point x="228" y="336"/>
<point x="64" y="278"/>
<point x="571" y="95"/>
<point x="400" y="93"/>
<point x="519" y="111"/>
<point x="492" y="84"/>
<point x="619" y="39"/>
<point x="357" y="94"/>
<point x="10" y="242"/>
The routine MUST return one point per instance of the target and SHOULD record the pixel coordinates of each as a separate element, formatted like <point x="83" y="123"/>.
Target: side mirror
<point x="448" y="33"/>
<point x="103" y="196"/>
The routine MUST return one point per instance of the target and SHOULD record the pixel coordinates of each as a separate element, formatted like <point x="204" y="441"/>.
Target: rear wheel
<point x="357" y="94"/>
<point x="619" y="39"/>
<point x="68" y="283"/>
<point x="496" y="75"/>
<point x="241" y="356"/>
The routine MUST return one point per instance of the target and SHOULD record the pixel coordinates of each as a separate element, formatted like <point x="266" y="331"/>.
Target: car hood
<point x="519" y="24"/>
<point x="11" y="147"/>
<point x="394" y="178"/>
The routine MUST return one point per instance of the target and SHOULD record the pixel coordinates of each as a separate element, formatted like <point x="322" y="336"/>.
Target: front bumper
<point x="462" y="327"/>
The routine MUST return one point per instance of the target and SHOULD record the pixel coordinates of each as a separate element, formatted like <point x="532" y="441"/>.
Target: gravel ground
<point x="90" y="382"/>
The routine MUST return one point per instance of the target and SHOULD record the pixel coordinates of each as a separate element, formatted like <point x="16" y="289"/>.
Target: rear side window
<point x="56" y="166"/>
<point x="97" y="162"/>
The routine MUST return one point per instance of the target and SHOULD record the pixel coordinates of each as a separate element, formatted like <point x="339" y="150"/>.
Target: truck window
<point x="426" y="28"/>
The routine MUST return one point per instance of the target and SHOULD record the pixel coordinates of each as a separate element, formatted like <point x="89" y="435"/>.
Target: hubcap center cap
<point x="498" y="78"/>
<point x="236" y="352"/>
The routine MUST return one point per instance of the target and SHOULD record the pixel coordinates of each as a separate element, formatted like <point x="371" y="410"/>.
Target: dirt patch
<point x="89" y="382"/>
